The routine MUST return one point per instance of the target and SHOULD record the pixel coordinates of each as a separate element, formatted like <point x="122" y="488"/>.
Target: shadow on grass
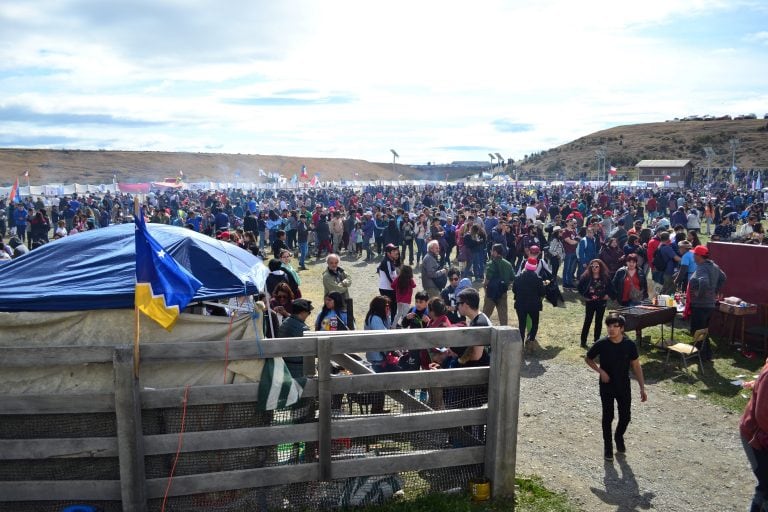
<point x="571" y="296"/>
<point x="714" y="384"/>
<point x="549" y="352"/>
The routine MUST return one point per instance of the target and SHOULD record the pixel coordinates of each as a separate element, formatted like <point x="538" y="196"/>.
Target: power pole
<point x="734" y="145"/>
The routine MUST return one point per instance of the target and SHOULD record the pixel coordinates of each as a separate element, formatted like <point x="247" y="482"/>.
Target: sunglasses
<point x="454" y="279"/>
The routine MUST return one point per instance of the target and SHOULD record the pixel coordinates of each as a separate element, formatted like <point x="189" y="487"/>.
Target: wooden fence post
<point x="130" y="440"/>
<point x="503" y="408"/>
<point x="324" y="396"/>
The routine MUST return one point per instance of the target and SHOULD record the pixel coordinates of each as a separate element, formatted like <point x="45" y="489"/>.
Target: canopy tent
<point x="96" y="270"/>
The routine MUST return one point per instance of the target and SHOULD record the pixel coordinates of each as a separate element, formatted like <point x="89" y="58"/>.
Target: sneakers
<point x="620" y="446"/>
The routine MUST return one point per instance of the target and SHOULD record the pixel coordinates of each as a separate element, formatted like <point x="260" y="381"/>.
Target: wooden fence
<point x="130" y="446"/>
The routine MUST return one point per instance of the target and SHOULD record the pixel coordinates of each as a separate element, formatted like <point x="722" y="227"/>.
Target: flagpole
<point x="29" y="191"/>
<point x="136" y="313"/>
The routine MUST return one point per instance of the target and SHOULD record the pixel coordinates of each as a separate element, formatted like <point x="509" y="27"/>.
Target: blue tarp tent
<point x="96" y="269"/>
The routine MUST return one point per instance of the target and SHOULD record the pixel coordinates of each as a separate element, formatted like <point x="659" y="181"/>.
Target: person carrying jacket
<point x="529" y="294"/>
<point x="498" y="277"/>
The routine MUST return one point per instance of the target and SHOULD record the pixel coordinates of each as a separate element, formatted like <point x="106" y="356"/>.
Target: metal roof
<point x="662" y="163"/>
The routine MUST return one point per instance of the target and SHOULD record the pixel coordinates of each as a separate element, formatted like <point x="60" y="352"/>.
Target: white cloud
<point x="352" y="79"/>
<point x="757" y="37"/>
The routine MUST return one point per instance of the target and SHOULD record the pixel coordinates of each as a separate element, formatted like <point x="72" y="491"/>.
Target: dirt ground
<point x="683" y="454"/>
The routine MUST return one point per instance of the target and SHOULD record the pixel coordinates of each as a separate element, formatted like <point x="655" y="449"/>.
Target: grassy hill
<point x="75" y="166"/>
<point x="627" y="145"/>
<point x="624" y="147"/>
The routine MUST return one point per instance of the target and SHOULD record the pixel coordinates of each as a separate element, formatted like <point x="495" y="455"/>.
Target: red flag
<point x="612" y="171"/>
<point x="13" y="196"/>
<point x="304" y="172"/>
<point x="314" y="180"/>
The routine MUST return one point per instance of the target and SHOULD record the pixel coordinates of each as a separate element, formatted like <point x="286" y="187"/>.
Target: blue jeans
<point x="421" y="249"/>
<point x="262" y="239"/>
<point x="569" y="267"/>
<point x="478" y="263"/>
<point x="303" y="249"/>
<point x="758" y="460"/>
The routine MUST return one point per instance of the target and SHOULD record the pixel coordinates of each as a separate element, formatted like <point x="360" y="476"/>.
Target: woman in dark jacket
<point x="323" y="233"/>
<point x="392" y="234"/>
<point x="612" y="255"/>
<point x="529" y="293"/>
<point x="595" y="286"/>
<point x="630" y="283"/>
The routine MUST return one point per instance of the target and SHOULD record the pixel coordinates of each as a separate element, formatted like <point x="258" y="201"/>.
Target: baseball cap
<point x="700" y="250"/>
<point x="391" y="247"/>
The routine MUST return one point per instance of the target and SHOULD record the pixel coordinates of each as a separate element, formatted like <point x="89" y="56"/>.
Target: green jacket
<point x="500" y="268"/>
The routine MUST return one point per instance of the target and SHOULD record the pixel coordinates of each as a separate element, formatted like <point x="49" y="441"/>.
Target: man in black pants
<point x="617" y="354"/>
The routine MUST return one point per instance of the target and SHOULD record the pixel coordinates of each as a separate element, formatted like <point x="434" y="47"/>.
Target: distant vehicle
<point x="708" y="118"/>
<point x="765" y="116"/>
<point x="750" y="116"/>
<point x="739" y="118"/>
<point x="724" y="118"/>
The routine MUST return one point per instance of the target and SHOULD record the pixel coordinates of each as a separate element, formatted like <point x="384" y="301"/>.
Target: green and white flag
<point x="277" y="388"/>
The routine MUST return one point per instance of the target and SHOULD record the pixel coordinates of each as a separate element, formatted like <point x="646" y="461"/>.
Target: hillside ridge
<point x="624" y="146"/>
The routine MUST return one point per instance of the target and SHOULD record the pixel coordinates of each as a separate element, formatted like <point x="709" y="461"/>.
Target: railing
<point x="127" y="402"/>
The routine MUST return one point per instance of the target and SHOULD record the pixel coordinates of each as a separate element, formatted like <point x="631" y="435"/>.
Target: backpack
<point x="407" y="231"/>
<point x="659" y="261"/>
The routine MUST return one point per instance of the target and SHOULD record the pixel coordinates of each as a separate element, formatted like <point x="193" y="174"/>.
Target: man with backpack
<point x="664" y="260"/>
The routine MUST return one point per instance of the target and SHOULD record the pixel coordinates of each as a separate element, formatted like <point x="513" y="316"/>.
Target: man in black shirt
<point x="617" y="354"/>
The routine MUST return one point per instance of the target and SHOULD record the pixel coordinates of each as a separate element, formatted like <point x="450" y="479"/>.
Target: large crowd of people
<point x="601" y="243"/>
<point x="449" y="255"/>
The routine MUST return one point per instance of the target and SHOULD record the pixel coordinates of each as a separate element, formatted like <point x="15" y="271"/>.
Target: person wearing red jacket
<point x="753" y="428"/>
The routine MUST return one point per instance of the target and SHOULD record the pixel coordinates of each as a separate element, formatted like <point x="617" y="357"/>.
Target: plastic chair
<point x="688" y="350"/>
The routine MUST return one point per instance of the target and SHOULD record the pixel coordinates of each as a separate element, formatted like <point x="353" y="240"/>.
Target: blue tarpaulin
<point x="97" y="269"/>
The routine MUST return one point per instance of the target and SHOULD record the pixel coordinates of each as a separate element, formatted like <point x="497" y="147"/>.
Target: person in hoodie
<point x="369" y="227"/>
<point x="587" y="249"/>
<point x="278" y="275"/>
<point x="449" y="295"/>
<point x="704" y="287"/>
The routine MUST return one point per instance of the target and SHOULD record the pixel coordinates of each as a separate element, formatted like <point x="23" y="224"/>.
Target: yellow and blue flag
<point x="163" y="287"/>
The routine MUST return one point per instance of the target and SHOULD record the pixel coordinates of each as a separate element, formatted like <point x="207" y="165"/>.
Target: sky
<point x="437" y="81"/>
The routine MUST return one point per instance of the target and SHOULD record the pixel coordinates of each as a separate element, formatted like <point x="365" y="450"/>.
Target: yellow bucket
<point x="480" y="489"/>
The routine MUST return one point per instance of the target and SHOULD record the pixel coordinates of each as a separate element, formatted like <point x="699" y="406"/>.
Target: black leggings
<point x="595" y="309"/>
<point x="534" y="323"/>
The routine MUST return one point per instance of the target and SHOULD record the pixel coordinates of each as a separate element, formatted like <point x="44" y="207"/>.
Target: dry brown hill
<point x="624" y="146"/>
<point x="76" y="166"/>
<point x="627" y="145"/>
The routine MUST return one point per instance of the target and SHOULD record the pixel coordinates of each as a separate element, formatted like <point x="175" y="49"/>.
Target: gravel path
<point x="682" y="454"/>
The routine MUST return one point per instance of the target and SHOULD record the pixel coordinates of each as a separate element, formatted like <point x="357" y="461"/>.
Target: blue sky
<point x="437" y="81"/>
